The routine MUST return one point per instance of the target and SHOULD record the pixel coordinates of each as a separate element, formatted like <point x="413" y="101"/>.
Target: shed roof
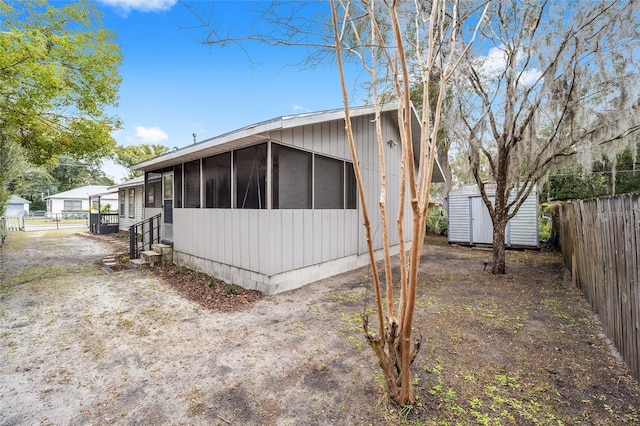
<point x="14" y="199"/>
<point x="259" y="132"/>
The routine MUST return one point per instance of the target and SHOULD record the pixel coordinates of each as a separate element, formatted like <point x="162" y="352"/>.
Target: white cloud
<point x="127" y="6"/>
<point x="151" y="134"/>
<point x="496" y="60"/>
<point x="529" y="77"/>
<point x="300" y="108"/>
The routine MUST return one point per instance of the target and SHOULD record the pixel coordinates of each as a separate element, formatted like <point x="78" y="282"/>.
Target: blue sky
<point x="174" y="86"/>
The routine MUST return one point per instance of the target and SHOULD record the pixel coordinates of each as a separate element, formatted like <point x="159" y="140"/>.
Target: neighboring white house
<point x="17" y="206"/>
<point x="470" y="222"/>
<point x="78" y="199"/>
<point x="274" y="206"/>
<point x="130" y="202"/>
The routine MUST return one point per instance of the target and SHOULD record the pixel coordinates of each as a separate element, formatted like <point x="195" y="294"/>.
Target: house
<point x="274" y="206"/>
<point x="470" y="222"/>
<point x="17" y="206"/>
<point x="77" y="200"/>
<point x="130" y="202"/>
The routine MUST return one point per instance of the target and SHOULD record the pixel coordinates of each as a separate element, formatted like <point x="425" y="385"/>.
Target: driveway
<point x="80" y="346"/>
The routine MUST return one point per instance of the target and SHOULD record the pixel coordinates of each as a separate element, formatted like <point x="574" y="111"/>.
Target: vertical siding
<point x="287" y="231"/>
<point x="459" y="230"/>
<point x="523" y="228"/>
<point x="126" y="221"/>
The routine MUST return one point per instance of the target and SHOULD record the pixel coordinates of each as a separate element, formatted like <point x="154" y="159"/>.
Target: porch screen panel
<point x="177" y="186"/>
<point x="328" y="183"/>
<point x="192" y="184"/>
<point x="153" y="189"/>
<point x="291" y="178"/>
<point x="216" y="174"/>
<point x="351" y="201"/>
<point x="250" y="169"/>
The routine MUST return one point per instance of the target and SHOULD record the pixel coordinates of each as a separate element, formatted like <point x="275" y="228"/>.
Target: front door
<point x="167" y="206"/>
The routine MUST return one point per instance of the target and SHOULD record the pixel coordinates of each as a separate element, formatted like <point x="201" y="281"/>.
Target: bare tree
<point x="379" y="34"/>
<point x="548" y="80"/>
<point x="378" y="37"/>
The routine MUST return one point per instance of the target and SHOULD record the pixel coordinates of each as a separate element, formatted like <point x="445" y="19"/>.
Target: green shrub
<point x="437" y="221"/>
<point x="544" y="227"/>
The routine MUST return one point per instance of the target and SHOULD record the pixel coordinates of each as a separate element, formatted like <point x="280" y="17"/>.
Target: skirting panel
<point x="277" y="283"/>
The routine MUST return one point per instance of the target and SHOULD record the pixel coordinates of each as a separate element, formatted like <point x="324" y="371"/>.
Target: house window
<point x="328" y="183"/>
<point x="192" y="184"/>
<point x="132" y="202"/>
<point x="72" y="205"/>
<point x="291" y="183"/>
<point x="121" y="194"/>
<point x="153" y="188"/>
<point x="250" y="169"/>
<point x="216" y="175"/>
<point x="177" y="182"/>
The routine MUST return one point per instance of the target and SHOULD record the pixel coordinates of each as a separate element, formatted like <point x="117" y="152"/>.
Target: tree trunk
<point x="499" y="264"/>
<point x="443" y="159"/>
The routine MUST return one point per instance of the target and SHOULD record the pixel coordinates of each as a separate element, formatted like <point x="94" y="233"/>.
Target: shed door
<point x="481" y="226"/>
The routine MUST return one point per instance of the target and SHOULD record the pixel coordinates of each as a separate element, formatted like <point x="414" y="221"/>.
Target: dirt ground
<point x="80" y="346"/>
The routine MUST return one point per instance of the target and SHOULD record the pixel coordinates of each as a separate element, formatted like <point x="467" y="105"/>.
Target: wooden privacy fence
<point x="600" y="239"/>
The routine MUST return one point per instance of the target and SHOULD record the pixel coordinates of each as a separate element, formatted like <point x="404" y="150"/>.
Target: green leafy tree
<point x="69" y="173"/>
<point x="58" y="73"/>
<point x="572" y="182"/>
<point x="126" y="156"/>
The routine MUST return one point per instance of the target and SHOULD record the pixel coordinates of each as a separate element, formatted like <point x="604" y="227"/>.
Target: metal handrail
<point x="143" y="234"/>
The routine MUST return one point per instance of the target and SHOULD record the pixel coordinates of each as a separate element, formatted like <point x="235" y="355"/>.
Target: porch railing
<point x="142" y="234"/>
<point x="103" y="223"/>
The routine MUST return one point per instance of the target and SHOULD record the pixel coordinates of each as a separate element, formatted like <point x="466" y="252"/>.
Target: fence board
<point x="600" y="240"/>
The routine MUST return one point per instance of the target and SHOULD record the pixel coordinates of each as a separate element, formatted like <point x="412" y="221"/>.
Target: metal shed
<point x="470" y="222"/>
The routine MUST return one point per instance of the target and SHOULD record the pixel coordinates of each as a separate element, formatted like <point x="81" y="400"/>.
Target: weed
<point x="230" y="289"/>
<point x="406" y="411"/>
<point x="212" y="282"/>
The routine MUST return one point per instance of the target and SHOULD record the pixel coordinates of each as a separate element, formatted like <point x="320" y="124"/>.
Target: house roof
<point x="14" y="199"/>
<point x="128" y="184"/>
<point x="259" y="132"/>
<point x="80" y="193"/>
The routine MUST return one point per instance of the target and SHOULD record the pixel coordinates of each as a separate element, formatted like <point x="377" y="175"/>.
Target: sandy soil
<point x="79" y="346"/>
